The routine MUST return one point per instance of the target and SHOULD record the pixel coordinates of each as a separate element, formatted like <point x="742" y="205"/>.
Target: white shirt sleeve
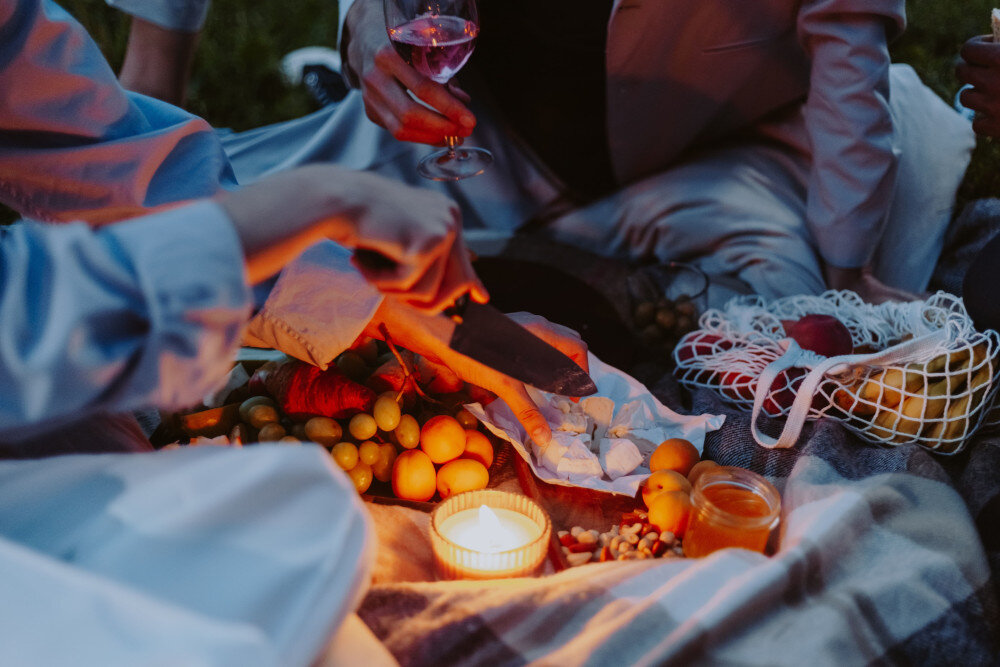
<point x="849" y="123"/>
<point x="147" y="312"/>
<point x="74" y="145"/>
<point x="181" y="15"/>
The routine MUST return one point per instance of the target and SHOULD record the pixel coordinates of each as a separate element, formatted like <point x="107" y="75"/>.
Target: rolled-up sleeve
<point x="318" y="307"/>
<point x="849" y="123"/>
<point x="147" y="312"/>
<point x="74" y="145"/>
<point x="182" y="15"/>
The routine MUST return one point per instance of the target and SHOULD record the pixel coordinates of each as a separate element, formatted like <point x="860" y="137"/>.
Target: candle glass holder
<point x="455" y="561"/>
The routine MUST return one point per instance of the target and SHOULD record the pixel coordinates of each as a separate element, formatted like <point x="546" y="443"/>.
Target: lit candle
<point x="489" y="530"/>
<point x="489" y="534"/>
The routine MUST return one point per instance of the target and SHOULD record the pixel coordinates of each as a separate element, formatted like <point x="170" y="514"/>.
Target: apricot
<point x="442" y="438"/>
<point x="700" y="468"/>
<point x="461" y="475"/>
<point x="675" y="454"/>
<point x="478" y="447"/>
<point x="663" y="480"/>
<point x="671" y="510"/>
<point x="413" y="476"/>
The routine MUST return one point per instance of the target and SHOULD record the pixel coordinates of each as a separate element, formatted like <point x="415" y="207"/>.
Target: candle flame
<point x="488" y="521"/>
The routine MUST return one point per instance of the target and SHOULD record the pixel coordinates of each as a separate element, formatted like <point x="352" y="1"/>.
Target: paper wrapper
<point x="995" y="24"/>
<point x="569" y="461"/>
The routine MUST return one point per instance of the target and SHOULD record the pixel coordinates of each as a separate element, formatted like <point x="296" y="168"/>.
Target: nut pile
<point x="633" y="538"/>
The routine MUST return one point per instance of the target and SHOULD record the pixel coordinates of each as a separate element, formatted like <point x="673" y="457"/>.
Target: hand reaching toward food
<point x="407" y="241"/>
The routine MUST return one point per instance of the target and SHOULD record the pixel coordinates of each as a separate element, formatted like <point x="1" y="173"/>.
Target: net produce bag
<point x="911" y="372"/>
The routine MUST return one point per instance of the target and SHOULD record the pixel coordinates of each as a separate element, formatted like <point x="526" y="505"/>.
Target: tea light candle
<point x="489" y="534"/>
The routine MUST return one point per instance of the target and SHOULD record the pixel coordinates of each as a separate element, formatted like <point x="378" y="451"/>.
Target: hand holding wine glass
<point x="436" y="38"/>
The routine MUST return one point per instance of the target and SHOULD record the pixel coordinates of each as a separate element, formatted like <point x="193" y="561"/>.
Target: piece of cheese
<point x="631" y="416"/>
<point x="600" y="409"/>
<point x="619" y="457"/>
<point x="574" y="423"/>
<point x="577" y="461"/>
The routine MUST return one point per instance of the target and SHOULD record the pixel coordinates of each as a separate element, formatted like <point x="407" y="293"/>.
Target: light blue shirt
<point x="143" y="313"/>
<point x="146" y="312"/>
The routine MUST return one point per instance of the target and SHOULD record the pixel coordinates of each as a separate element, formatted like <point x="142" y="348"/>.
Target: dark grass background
<point x="236" y="82"/>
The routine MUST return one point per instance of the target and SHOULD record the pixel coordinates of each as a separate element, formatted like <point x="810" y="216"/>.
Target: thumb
<point x="527" y="413"/>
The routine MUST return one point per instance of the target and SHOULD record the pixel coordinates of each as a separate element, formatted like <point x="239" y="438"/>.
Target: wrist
<point x="363" y="34"/>
<point x="841" y="278"/>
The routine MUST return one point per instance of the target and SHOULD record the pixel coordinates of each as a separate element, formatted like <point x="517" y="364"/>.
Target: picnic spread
<point x="881" y="553"/>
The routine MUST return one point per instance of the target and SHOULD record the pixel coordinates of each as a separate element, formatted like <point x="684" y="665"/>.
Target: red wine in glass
<point x="436" y="38"/>
<point x="435" y="46"/>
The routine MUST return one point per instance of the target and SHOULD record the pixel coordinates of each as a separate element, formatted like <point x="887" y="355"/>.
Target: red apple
<point x="784" y="389"/>
<point x="737" y="385"/>
<point x="822" y="334"/>
<point x="701" y="345"/>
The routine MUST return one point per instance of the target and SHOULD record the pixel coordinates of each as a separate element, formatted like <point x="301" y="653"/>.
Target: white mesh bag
<point x="920" y="371"/>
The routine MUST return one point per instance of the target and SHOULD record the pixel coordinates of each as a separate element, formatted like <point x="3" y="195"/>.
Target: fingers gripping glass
<point x="436" y="37"/>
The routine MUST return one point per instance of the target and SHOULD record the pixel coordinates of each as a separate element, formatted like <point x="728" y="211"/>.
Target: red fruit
<point x="700" y="345"/>
<point x="822" y="334"/>
<point x="784" y="389"/>
<point x="304" y="390"/>
<point x="738" y="385"/>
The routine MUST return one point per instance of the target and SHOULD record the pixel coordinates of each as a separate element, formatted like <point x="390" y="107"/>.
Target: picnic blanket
<point x="885" y="557"/>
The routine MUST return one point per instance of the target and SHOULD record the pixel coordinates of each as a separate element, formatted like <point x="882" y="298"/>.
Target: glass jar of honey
<point x="730" y="507"/>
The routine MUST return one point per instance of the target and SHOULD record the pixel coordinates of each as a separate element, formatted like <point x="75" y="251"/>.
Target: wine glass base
<point x="463" y="163"/>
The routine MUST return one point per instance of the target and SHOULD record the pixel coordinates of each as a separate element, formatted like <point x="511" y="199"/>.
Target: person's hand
<point x="980" y="68"/>
<point x="407" y="241"/>
<point x="386" y="82"/>
<point x="867" y="286"/>
<point x="427" y="336"/>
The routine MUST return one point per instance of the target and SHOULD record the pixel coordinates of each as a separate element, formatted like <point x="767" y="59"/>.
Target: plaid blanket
<point x="885" y="557"/>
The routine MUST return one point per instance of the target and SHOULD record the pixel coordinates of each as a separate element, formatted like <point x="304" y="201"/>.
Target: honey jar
<point x="731" y="507"/>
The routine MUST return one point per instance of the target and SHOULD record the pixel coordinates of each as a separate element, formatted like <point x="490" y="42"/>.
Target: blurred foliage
<point x="935" y="34"/>
<point x="236" y="82"/>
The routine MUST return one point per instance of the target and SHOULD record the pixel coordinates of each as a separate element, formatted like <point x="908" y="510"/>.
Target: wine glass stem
<point x="451" y="142"/>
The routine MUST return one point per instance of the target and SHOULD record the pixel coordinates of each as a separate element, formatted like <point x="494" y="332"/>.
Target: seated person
<point x="103" y="155"/>
<point x="221" y="555"/>
<point x="980" y="68"/>
<point x="770" y="142"/>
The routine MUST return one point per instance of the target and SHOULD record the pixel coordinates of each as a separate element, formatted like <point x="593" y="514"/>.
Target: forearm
<point x="143" y="313"/>
<point x="84" y="148"/>
<point x="850" y="128"/>
<point x="158" y="61"/>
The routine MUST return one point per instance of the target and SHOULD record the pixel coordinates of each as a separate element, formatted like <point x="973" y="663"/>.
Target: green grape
<point x="362" y="426"/>
<point x="408" y="432"/>
<point x="324" y="431"/>
<point x="386" y="412"/>
<point x="361" y="475"/>
<point x="368" y="452"/>
<point x="466" y="418"/>
<point x="345" y="454"/>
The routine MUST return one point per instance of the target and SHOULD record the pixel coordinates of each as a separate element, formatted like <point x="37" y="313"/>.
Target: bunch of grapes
<point x="419" y="443"/>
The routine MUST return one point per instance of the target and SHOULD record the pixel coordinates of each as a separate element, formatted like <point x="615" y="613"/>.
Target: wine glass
<point x="436" y="38"/>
